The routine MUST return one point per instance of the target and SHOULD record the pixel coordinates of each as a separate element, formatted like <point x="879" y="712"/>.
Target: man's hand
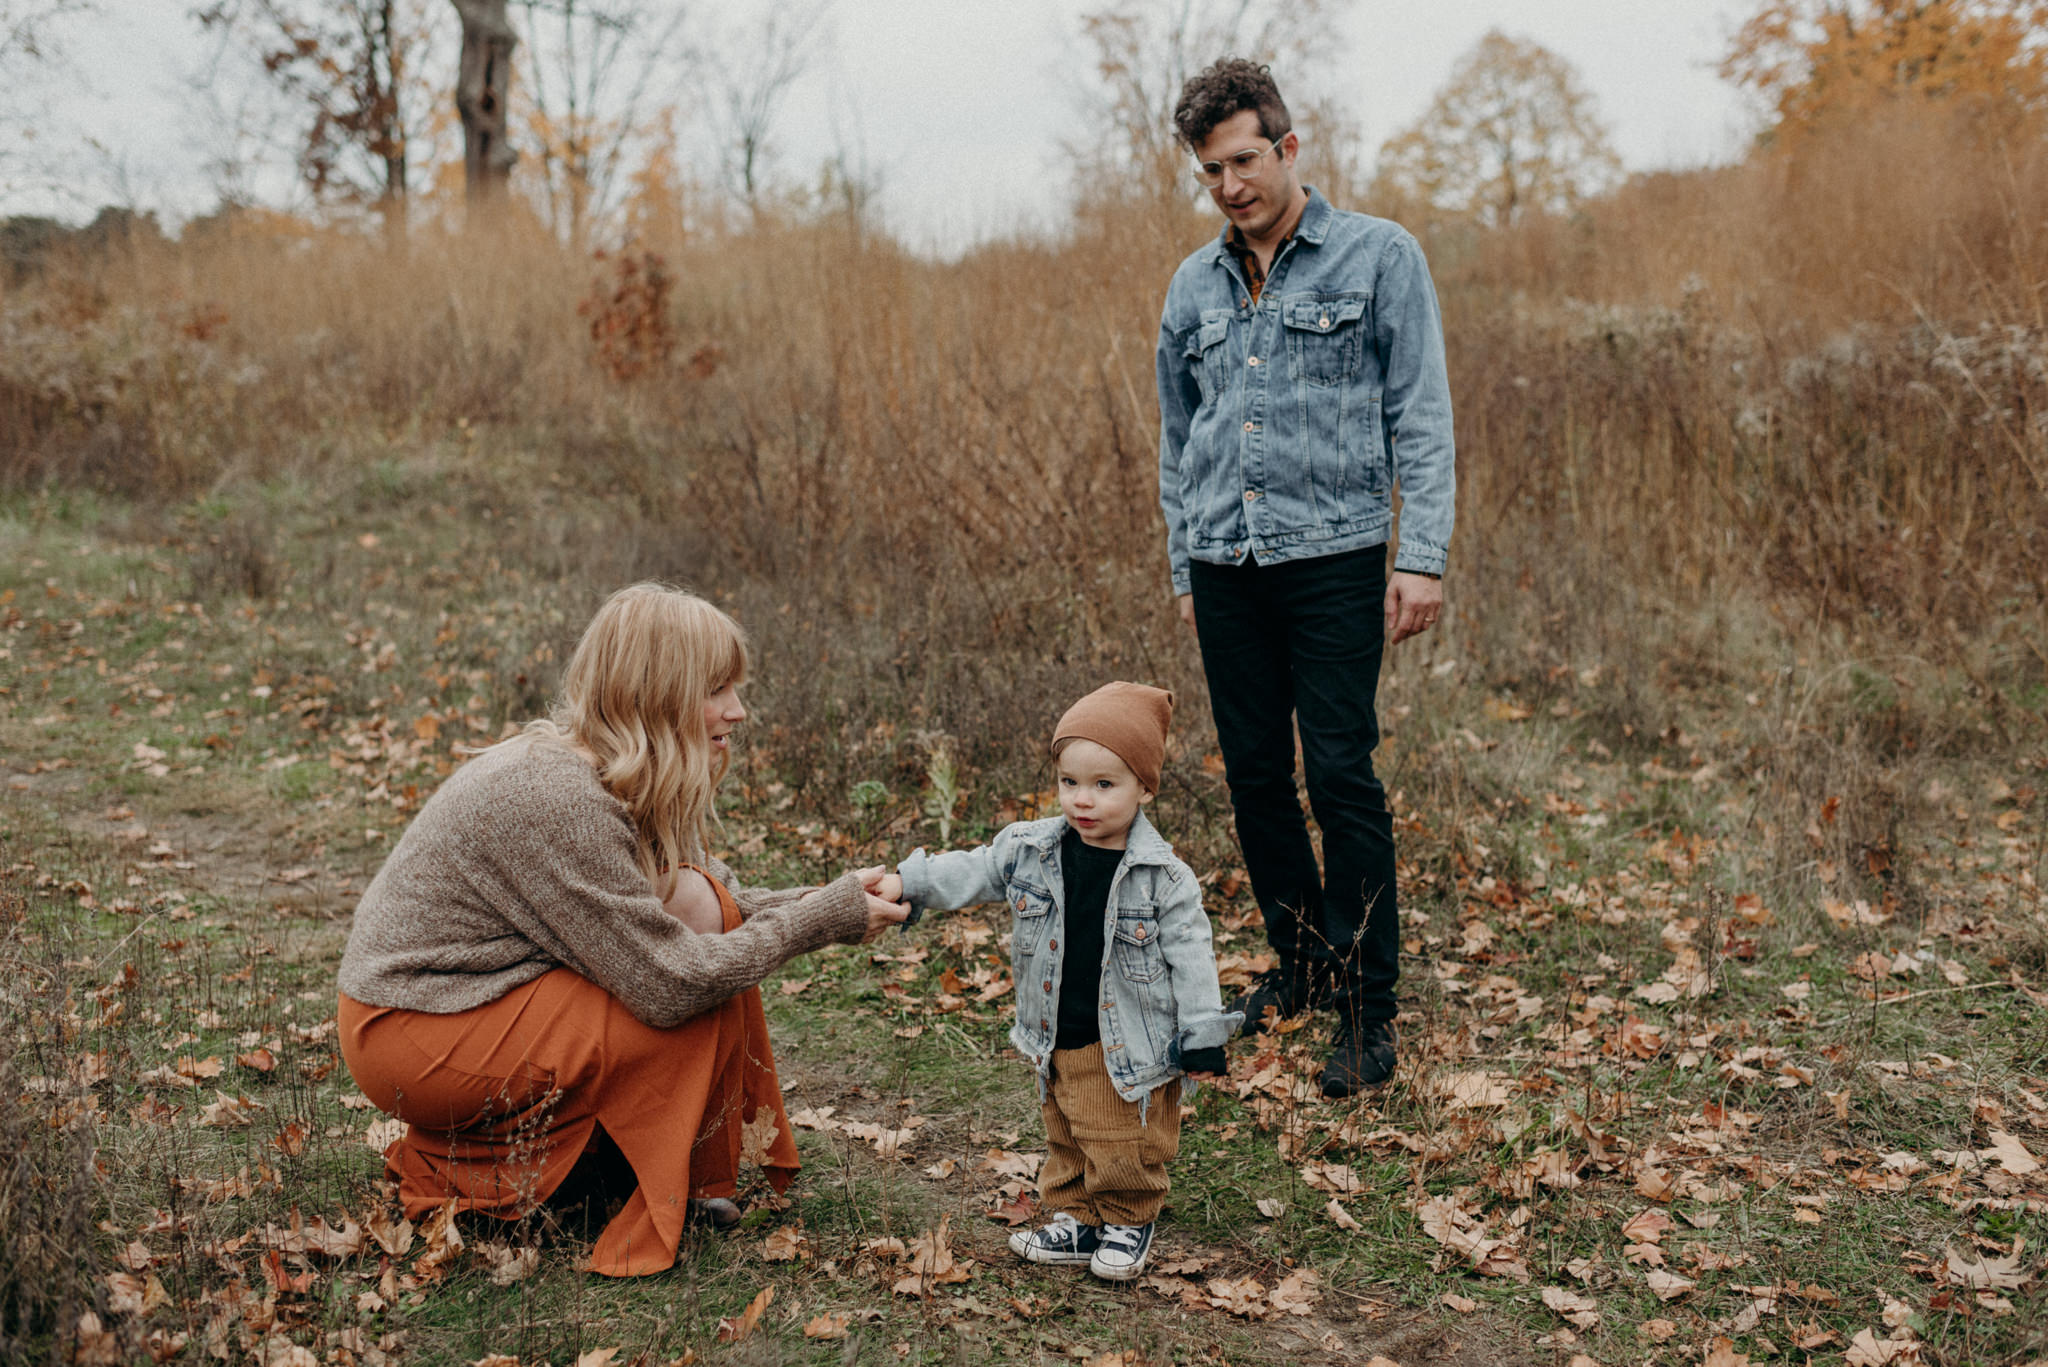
<point x="1414" y="602"/>
<point x="1186" y="603"/>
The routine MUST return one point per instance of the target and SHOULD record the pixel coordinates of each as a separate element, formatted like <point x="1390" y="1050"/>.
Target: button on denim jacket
<point x="1159" y="997"/>
<point x="1284" y="424"/>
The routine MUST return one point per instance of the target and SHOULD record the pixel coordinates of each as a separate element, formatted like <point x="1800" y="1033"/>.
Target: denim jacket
<point x="1160" y="997"/>
<point x="1284" y="424"/>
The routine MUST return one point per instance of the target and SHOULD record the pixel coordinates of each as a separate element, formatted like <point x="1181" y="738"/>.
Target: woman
<point x="549" y="967"/>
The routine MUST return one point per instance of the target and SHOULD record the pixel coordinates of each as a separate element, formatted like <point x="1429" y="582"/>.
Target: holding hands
<point x="886" y="907"/>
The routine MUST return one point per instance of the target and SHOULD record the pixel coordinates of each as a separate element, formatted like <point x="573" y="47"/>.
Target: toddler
<point x="1117" y="1001"/>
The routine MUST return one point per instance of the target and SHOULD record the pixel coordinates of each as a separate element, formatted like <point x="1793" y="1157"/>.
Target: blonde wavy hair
<point x="633" y="695"/>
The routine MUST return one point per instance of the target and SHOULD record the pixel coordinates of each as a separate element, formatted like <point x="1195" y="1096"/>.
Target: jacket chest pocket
<point x="1325" y="337"/>
<point x="1138" y="955"/>
<point x="1032" y="912"/>
<point x="1206" y="353"/>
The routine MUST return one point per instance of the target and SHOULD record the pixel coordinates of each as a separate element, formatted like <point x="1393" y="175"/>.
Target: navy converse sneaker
<point x="1064" y="1242"/>
<point x="1123" y="1252"/>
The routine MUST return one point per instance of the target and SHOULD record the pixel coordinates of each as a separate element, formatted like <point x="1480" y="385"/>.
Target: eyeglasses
<point x="1249" y="164"/>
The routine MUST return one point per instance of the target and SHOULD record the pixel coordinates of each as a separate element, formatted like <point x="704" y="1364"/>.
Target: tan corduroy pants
<point x="1102" y="1165"/>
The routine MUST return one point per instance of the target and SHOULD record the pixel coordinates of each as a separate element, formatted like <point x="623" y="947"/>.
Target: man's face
<point x="1260" y="205"/>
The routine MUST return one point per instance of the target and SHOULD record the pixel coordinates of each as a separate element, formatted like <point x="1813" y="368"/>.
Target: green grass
<point x="1571" y="856"/>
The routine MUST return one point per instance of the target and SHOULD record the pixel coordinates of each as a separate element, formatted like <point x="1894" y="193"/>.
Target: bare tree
<point x="1512" y="132"/>
<point x="358" y="73"/>
<point x="592" y="67"/>
<point x="29" y="48"/>
<point x="483" y="92"/>
<point x="27" y="27"/>
<point x="751" y="76"/>
<point x="1143" y="52"/>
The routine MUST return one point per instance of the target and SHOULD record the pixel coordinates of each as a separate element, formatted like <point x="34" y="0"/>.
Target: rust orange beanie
<point x="1127" y="719"/>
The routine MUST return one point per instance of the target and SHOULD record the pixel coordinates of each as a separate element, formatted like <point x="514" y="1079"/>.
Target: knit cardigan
<point x="523" y="862"/>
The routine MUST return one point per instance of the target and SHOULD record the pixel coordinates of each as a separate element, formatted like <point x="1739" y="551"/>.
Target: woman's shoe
<point x="714" y="1211"/>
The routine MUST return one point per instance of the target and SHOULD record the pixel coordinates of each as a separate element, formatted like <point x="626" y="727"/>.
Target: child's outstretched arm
<point x="1203" y="1024"/>
<point x="959" y="878"/>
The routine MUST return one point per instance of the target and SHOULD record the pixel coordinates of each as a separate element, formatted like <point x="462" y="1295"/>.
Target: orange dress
<point x="501" y="1100"/>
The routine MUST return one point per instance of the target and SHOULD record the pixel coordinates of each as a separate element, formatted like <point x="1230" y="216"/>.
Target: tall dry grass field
<point x="1817" y="379"/>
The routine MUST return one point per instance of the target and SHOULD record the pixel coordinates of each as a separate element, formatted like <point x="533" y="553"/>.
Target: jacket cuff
<point x="916" y="875"/>
<point x="1209" y="1032"/>
<point x="1204" y="1060"/>
<point x="1181" y="582"/>
<point x="1420" y="558"/>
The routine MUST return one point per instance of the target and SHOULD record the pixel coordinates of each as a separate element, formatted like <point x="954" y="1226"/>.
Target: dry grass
<point x="1819" y="382"/>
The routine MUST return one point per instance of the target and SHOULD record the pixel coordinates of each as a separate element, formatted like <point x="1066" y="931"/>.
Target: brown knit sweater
<point x="523" y="862"/>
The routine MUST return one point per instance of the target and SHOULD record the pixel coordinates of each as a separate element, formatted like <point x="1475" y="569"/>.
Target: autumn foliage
<point x="1829" y="62"/>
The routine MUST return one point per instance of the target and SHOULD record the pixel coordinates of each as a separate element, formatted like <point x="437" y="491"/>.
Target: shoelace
<point x="1064" y="1230"/>
<point x="1126" y="1237"/>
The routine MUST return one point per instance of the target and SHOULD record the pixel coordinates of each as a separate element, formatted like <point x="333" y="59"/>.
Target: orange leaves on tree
<point x="1825" y="61"/>
<point x="630" y="327"/>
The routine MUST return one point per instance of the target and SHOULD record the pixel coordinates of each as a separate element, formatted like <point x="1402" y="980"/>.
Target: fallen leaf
<point x="1464" y="1305"/>
<point x="317" y="1237"/>
<point x="1296" y="1294"/>
<point x="1721" y="1353"/>
<point x="930" y="1262"/>
<point x="507" y="1264"/>
<point x="828" y="1326"/>
<point x="1245" y="1297"/>
<point x="1868" y="1350"/>
<point x="1581" y="1312"/>
<point x="2006" y="1273"/>
<point x="734" y="1330"/>
<point x="1340" y="1178"/>
<point x="1341" y="1217"/>
<point x="786" y="1245"/>
<point x="1646" y="1227"/>
<point x="1462" y="1091"/>
<point x="1009" y="1164"/>
<point x="2007" y="1151"/>
<point x="1669" y="1286"/>
<point x="757" y="1138"/>
<point x="597" y="1357"/>
<point x="394" y="1237"/>
<point x="1657" y="1330"/>
<point x="1271" y="1208"/>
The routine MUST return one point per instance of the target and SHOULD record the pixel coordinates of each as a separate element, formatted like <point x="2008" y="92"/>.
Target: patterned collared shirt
<point x="1248" y="259"/>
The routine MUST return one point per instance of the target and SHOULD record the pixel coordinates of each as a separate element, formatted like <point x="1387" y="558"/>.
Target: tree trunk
<point x="483" y="87"/>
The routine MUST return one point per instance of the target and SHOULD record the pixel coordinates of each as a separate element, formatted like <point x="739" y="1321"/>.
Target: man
<point x="1301" y="376"/>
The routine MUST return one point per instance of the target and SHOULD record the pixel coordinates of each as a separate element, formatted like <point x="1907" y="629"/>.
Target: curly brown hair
<point x="1231" y="86"/>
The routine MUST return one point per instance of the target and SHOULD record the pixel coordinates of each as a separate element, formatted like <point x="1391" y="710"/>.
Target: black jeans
<point x="1301" y="642"/>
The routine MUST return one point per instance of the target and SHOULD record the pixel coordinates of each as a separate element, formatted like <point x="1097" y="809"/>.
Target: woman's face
<point x="722" y="712"/>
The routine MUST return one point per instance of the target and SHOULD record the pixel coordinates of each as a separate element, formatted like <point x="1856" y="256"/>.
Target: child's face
<point x="1099" y="793"/>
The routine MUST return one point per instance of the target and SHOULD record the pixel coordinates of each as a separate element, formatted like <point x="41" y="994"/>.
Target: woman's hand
<point x="887" y="886"/>
<point x="882" y="914"/>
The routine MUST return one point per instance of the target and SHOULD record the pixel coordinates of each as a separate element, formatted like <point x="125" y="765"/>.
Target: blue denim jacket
<point x="1285" y="424"/>
<point x="1160" y="997"/>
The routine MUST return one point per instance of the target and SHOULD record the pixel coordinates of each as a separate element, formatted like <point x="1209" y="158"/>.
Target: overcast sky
<point x="960" y="106"/>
